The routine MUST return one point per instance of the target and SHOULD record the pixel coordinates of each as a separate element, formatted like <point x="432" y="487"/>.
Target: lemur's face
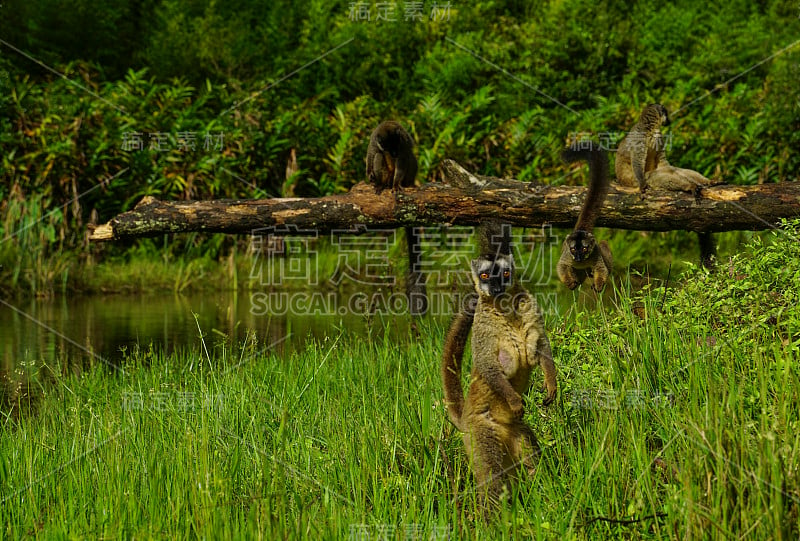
<point x="493" y="276"/>
<point x="581" y="244"/>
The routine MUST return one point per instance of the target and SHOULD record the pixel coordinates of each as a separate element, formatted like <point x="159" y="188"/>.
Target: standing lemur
<point x="508" y="342"/>
<point x="581" y="255"/>
<point x="391" y="163"/>
<point x="641" y="162"/>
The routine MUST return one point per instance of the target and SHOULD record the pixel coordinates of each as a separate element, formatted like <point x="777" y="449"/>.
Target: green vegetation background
<point x="678" y="408"/>
<point x="678" y="418"/>
<point x="237" y="69"/>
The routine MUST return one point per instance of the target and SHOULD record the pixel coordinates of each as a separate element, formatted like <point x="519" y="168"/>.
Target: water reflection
<point x="41" y="337"/>
<point x="101" y="328"/>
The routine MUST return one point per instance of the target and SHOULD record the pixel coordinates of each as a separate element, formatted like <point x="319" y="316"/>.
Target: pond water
<point x="74" y="333"/>
<point x="84" y="329"/>
<point x="103" y="328"/>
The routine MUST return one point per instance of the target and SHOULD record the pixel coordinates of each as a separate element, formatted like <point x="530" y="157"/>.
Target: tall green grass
<point x="677" y="419"/>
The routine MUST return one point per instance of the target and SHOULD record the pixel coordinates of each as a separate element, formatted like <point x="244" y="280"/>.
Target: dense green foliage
<point x="679" y="406"/>
<point x="265" y="78"/>
<point x="676" y="420"/>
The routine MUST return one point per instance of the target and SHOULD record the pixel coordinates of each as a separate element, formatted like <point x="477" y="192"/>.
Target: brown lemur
<point x="391" y="163"/>
<point x="508" y="342"/>
<point x="390" y="157"/>
<point x="641" y="161"/>
<point x="581" y="255"/>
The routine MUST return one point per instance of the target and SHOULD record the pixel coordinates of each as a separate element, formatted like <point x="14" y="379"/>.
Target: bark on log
<point x="465" y="199"/>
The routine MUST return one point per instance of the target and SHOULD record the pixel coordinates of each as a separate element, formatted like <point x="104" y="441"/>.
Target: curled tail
<point x="452" y="355"/>
<point x="598" y="184"/>
<point x="416" y="292"/>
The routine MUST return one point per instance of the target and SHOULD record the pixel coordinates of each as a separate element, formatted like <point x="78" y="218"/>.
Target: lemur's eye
<point x="506" y="273"/>
<point x="484" y="276"/>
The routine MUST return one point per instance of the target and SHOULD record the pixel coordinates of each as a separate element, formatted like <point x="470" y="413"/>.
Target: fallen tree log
<point x="464" y="199"/>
